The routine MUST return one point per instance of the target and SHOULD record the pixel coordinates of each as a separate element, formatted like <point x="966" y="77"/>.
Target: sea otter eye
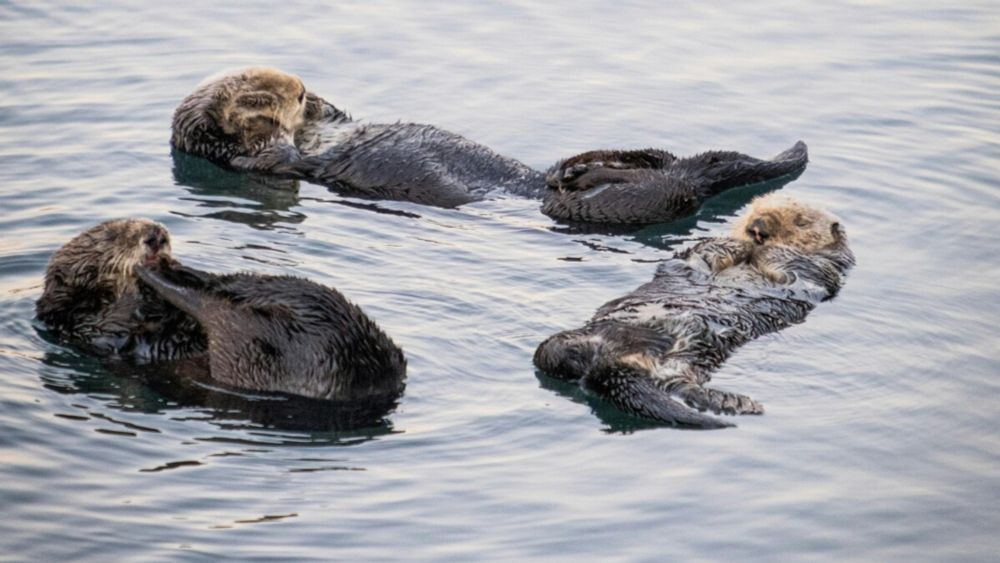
<point x="802" y="221"/>
<point x="302" y="96"/>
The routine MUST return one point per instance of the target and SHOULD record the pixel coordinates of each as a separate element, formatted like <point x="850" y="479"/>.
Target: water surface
<point x="880" y="440"/>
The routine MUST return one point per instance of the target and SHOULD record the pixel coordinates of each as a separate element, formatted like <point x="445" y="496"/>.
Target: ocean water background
<point x="880" y="440"/>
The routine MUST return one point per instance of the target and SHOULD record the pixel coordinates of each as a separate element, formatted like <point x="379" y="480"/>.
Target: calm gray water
<point x="880" y="440"/>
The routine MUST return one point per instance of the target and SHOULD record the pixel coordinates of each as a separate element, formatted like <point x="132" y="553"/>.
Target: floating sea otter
<point x="663" y="340"/>
<point x="116" y="291"/>
<point x="264" y="120"/>
<point x="93" y="298"/>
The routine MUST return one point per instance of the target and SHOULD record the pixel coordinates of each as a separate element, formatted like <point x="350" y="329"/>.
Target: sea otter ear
<point x="836" y="231"/>
<point x="319" y="109"/>
<point x="314" y="106"/>
<point x="257" y="100"/>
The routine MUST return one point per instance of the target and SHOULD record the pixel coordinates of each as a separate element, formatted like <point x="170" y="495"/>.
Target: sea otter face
<point x="777" y="219"/>
<point x="104" y="257"/>
<point x="240" y="113"/>
<point x="260" y="103"/>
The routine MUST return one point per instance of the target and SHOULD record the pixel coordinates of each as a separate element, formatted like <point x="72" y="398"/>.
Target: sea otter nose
<point x="758" y="231"/>
<point x="156" y="241"/>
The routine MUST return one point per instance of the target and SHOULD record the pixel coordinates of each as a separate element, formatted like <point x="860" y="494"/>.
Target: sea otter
<point x="663" y="340"/>
<point x="246" y="120"/>
<point x="93" y="298"/>
<point x="116" y="291"/>
<point x="263" y="119"/>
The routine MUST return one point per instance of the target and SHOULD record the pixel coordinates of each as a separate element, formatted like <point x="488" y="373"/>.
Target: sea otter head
<point x="103" y="257"/>
<point x="779" y="219"/>
<point x="239" y="113"/>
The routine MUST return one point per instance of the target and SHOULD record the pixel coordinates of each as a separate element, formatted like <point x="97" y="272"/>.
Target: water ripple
<point x="877" y="438"/>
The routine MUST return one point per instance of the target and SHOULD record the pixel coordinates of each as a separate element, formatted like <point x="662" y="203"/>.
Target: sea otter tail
<point x="718" y="171"/>
<point x="633" y="390"/>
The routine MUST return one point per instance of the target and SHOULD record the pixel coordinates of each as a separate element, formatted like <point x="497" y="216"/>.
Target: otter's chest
<point x="319" y="138"/>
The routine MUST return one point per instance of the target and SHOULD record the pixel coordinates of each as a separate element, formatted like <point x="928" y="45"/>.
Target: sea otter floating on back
<point x="262" y="119"/>
<point x="663" y="340"/>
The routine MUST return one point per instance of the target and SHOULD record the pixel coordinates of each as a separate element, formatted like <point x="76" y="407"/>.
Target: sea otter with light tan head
<point x="662" y="341"/>
<point x="245" y="119"/>
<point x="264" y="120"/>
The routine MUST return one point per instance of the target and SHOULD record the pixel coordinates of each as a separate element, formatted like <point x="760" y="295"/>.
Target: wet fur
<point x="284" y="334"/>
<point x="92" y="298"/>
<point x="245" y="119"/>
<point x="427" y="165"/>
<point x="411" y="162"/>
<point x="663" y="340"/>
<point x="654" y="186"/>
<point x="115" y="291"/>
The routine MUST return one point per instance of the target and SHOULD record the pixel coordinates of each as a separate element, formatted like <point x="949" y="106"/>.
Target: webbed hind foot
<point x="564" y="173"/>
<point x="632" y="389"/>
<point x="719" y="402"/>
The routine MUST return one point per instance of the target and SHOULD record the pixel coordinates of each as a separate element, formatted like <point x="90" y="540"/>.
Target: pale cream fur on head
<point x="790" y="222"/>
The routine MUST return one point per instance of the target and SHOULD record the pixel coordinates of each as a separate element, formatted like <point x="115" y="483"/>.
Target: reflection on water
<point x="182" y="390"/>
<point x="256" y="200"/>
<point x="615" y="421"/>
<point x="373" y="207"/>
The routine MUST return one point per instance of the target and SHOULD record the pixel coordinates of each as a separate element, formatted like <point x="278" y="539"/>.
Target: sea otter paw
<point x="718" y="254"/>
<point x="749" y="406"/>
<point x="570" y="172"/>
<point x="720" y="402"/>
<point x="276" y="157"/>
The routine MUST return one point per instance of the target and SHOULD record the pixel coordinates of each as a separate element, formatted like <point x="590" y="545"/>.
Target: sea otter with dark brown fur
<point x="654" y="186"/>
<point x="663" y="341"/>
<point x="264" y="120"/>
<point x="116" y="291"/>
<point x="93" y="298"/>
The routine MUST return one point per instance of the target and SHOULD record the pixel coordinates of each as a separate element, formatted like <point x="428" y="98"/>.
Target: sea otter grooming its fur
<point x="116" y="291"/>
<point x="264" y="120"/>
<point x="93" y="299"/>
<point x="664" y="339"/>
